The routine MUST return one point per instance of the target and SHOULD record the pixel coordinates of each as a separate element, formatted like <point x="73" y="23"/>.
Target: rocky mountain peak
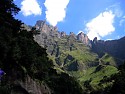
<point x="51" y="31"/>
<point x="44" y="27"/>
<point x="113" y="47"/>
<point x="84" y="38"/>
<point x="71" y="33"/>
<point x="95" y="40"/>
<point x="63" y="34"/>
<point x="72" y="36"/>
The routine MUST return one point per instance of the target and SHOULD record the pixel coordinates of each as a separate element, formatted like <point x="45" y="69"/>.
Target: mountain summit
<point x="89" y="61"/>
<point x="65" y="50"/>
<point x="51" y="31"/>
<point x="59" y="43"/>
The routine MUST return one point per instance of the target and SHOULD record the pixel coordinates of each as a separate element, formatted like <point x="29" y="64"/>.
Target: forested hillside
<point x="26" y="63"/>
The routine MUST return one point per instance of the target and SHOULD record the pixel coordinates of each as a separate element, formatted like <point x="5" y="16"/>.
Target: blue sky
<point x="104" y="19"/>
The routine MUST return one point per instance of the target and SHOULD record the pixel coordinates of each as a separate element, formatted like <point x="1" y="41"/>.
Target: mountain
<point x="114" y="48"/>
<point x="88" y="61"/>
<point x="69" y="52"/>
<point x="83" y="38"/>
<point x="55" y="63"/>
<point x="63" y="48"/>
<point x="51" y="31"/>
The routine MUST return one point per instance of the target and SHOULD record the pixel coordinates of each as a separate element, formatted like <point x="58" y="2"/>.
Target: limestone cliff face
<point x="116" y="48"/>
<point x="84" y="38"/>
<point x="42" y="26"/>
<point x="48" y="32"/>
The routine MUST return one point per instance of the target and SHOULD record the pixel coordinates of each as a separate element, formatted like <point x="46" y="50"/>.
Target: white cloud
<point x="101" y="26"/>
<point x="30" y="7"/>
<point x="56" y="10"/>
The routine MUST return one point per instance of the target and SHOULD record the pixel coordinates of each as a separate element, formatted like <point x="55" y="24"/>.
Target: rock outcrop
<point x="50" y="32"/>
<point x="29" y="86"/>
<point x="42" y="26"/>
<point x="113" y="47"/>
<point x="84" y="38"/>
<point x="63" y="34"/>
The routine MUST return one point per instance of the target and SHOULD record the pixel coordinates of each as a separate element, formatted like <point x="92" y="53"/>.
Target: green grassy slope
<point x="70" y="52"/>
